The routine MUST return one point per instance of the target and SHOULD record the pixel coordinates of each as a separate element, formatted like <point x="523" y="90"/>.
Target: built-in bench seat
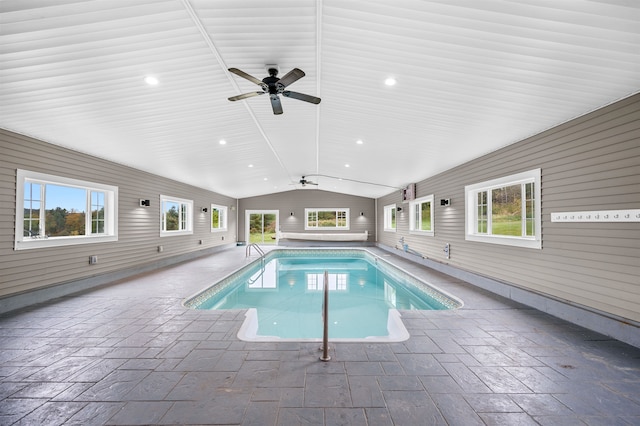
<point x="324" y="236"/>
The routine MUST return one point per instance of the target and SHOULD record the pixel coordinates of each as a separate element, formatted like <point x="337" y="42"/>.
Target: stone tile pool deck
<point x="130" y="353"/>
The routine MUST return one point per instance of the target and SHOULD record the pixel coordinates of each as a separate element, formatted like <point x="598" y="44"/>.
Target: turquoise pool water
<point x="284" y="296"/>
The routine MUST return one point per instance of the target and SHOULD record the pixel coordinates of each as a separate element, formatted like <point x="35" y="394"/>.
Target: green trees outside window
<point x="390" y="218"/>
<point x="64" y="211"/>
<point x="56" y="211"/>
<point x="175" y="216"/>
<point x="218" y="218"/>
<point x="327" y="219"/>
<point x="512" y="211"/>
<point x="505" y="210"/>
<point x="171" y="216"/>
<point x="421" y="216"/>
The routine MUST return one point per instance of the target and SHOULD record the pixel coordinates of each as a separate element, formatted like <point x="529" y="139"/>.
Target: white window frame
<point x="413" y="224"/>
<point x="110" y="211"/>
<point x="337" y="210"/>
<point x="185" y="222"/>
<point x="389" y="211"/>
<point x="471" y="196"/>
<point x="222" y="218"/>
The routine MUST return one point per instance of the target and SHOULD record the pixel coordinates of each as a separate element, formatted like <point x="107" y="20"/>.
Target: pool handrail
<point x="325" y="320"/>
<point x="257" y="247"/>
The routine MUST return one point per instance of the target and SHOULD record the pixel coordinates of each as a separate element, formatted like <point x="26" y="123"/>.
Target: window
<point x="57" y="211"/>
<point x="505" y="210"/>
<point x="421" y="219"/>
<point x="390" y="218"/>
<point x="218" y="218"/>
<point x="326" y="219"/>
<point x="176" y="216"/>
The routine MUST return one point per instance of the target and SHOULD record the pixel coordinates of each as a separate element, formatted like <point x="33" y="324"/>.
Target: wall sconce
<point x="361" y="213"/>
<point x="144" y="203"/>
<point x="445" y="202"/>
<point x="291" y="214"/>
<point x="203" y="209"/>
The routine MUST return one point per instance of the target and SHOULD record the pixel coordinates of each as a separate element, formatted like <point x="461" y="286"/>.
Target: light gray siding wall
<point x="139" y="227"/>
<point x="590" y="163"/>
<point x="297" y="200"/>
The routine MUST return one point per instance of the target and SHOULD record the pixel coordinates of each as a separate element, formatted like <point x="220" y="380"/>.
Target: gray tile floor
<point x="129" y="353"/>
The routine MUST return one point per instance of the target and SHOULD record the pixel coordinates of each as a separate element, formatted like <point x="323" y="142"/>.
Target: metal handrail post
<point x="256" y="246"/>
<point x="325" y="320"/>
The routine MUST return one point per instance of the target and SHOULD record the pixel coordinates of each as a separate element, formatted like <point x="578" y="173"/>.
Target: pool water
<point x="284" y="295"/>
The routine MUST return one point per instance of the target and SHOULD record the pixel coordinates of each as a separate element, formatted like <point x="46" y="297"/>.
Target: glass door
<point x="262" y="226"/>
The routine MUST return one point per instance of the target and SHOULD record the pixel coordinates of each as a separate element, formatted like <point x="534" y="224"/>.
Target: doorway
<point x="262" y="226"/>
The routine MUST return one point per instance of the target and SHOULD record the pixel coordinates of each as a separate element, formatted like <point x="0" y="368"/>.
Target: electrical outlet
<point x="93" y="260"/>
<point x="160" y="249"/>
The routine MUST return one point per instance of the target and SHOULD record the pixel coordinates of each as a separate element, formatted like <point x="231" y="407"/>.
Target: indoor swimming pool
<point x="283" y="295"/>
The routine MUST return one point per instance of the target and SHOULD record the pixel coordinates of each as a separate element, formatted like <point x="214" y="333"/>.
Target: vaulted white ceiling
<point x="472" y="76"/>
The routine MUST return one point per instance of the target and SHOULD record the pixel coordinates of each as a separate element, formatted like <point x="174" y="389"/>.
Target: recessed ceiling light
<point x="250" y="165"/>
<point x="151" y="80"/>
<point x="390" y="81"/>
<point x="359" y="142"/>
<point x="346" y="165"/>
<point x="222" y="142"/>
<point x="266" y="179"/>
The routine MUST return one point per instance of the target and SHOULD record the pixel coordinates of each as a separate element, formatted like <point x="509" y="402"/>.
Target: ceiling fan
<point x="275" y="86"/>
<point x="304" y="182"/>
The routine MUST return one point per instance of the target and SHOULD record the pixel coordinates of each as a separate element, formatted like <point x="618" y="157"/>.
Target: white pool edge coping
<point x="397" y="331"/>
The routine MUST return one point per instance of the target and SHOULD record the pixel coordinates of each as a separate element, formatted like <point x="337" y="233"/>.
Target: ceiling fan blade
<point x="301" y="96"/>
<point x="245" y="96"/>
<point x="243" y="74"/>
<point x="276" y="104"/>
<point x="304" y="182"/>
<point x="291" y="77"/>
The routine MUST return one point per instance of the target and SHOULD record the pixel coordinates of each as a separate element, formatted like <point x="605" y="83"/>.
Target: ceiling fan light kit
<point x="274" y="86"/>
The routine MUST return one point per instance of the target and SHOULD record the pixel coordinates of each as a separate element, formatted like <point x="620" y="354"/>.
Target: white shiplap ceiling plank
<point x="473" y="76"/>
